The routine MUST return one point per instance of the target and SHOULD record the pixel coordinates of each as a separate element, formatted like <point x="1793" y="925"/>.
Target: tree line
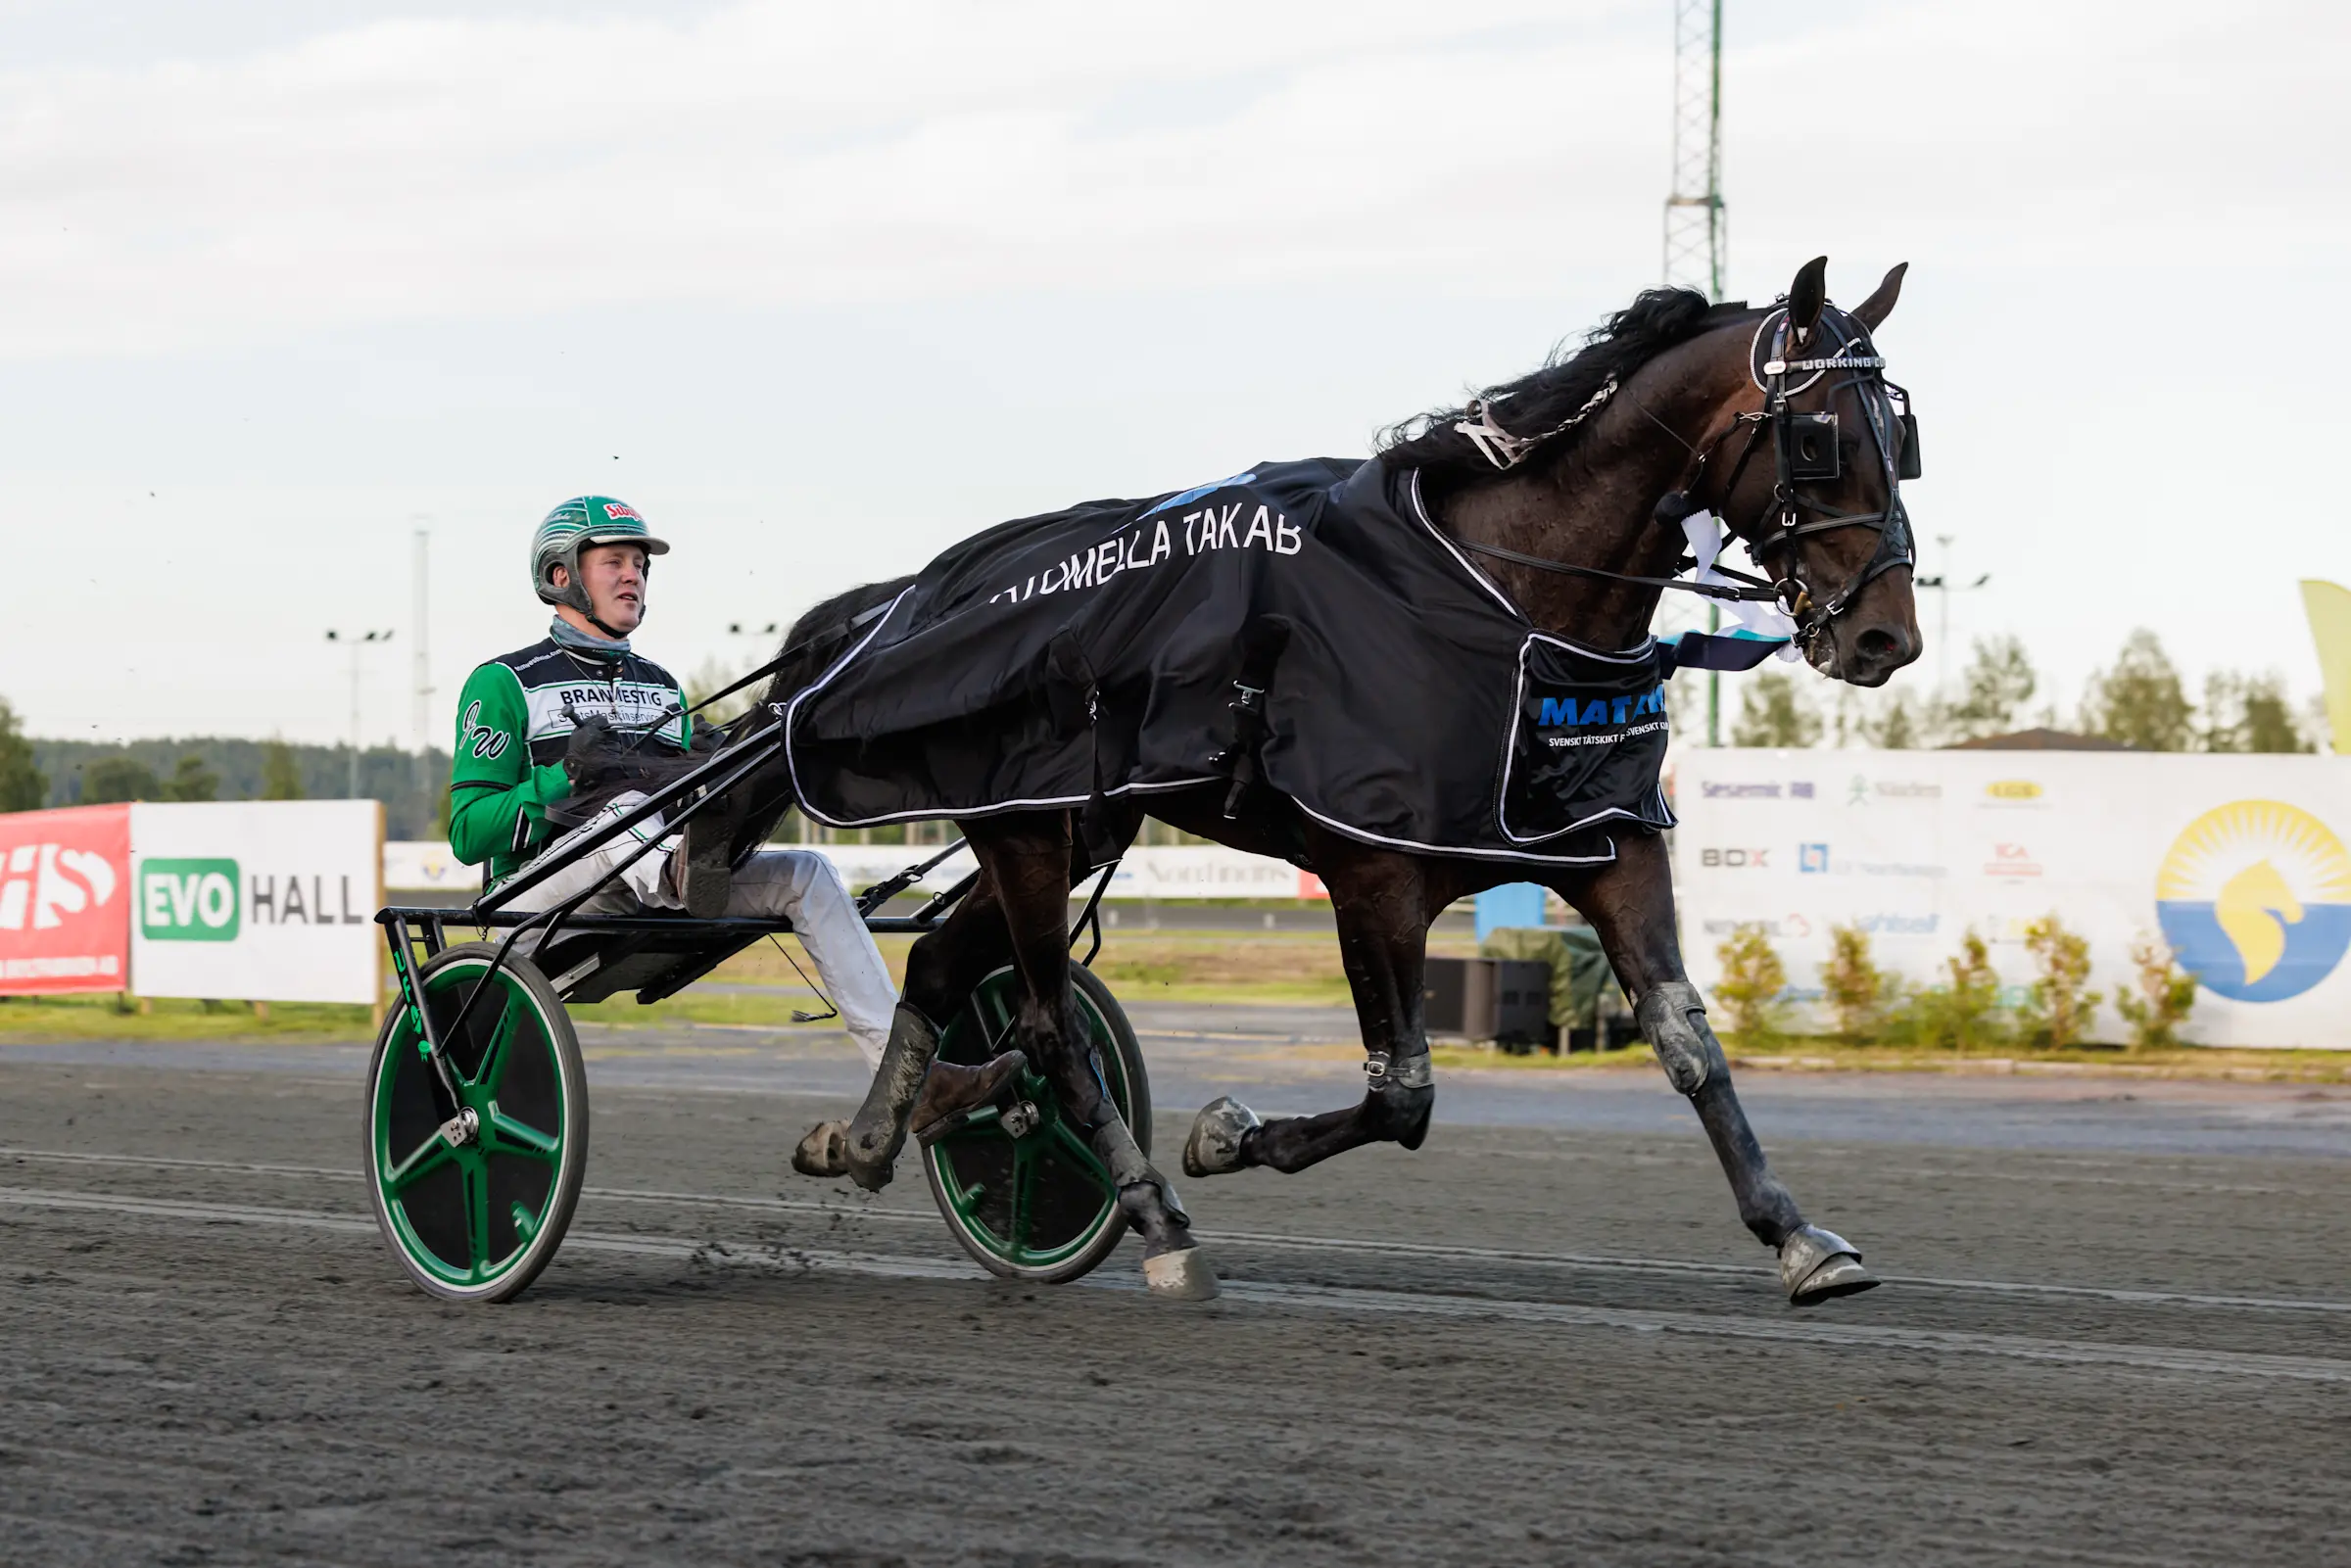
<point x="39" y="773"/>
<point x="2139" y="701"/>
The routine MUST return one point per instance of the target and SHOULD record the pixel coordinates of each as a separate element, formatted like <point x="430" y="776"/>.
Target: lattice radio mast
<point x="1695" y="239"/>
<point x="1695" y="236"/>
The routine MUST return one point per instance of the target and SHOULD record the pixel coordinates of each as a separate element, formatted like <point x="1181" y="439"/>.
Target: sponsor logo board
<point x="64" y="900"/>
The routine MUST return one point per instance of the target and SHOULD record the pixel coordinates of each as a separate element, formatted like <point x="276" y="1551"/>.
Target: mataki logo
<point x="2013" y="790"/>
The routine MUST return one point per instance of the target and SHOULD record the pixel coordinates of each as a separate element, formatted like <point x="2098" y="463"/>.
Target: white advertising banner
<point x="2238" y="862"/>
<point x="1160" y="871"/>
<point x="257" y="900"/>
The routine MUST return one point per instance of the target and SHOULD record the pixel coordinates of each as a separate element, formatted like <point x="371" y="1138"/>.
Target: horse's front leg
<point x="1383" y="904"/>
<point x="1630" y="903"/>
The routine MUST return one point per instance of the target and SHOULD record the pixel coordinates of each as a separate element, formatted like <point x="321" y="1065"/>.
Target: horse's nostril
<point x="1877" y="643"/>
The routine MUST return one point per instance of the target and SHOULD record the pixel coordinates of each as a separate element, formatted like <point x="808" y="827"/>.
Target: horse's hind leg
<point x="1630" y="903"/>
<point x="1383" y="903"/>
<point x="1028" y="858"/>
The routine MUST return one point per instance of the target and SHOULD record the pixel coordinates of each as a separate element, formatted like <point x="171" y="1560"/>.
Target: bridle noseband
<point x="1804" y="448"/>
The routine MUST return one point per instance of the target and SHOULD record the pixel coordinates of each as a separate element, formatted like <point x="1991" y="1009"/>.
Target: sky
<point x="821" y="289"/>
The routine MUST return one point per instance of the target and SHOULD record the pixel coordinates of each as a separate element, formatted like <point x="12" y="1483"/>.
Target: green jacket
<point x="515" y="717"/>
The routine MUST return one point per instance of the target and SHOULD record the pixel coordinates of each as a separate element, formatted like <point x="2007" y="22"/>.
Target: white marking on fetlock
<point x="1181" y="1276"/>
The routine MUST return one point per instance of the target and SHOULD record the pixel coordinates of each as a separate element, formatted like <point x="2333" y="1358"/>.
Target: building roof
<point x="2040" y="740"/>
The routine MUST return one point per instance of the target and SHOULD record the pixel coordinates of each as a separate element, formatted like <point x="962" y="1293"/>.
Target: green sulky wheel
<point x="1021" y="1188"/>
<point x="476" y="1219"/>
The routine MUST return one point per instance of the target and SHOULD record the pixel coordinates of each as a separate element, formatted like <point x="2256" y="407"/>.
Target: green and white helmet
<point x="574" y="526"/>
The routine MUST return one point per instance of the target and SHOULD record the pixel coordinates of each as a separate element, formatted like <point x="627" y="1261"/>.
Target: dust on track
<point x="1516" y="1346"/>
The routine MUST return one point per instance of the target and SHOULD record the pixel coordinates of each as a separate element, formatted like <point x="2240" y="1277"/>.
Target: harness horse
<point x="1579" y="486"/>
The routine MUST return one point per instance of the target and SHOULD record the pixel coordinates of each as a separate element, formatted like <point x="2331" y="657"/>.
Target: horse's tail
<point x="815" y="640"/>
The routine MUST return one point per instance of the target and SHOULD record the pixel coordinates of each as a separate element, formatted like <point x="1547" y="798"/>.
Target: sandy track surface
<point x="1532" y="1344"/>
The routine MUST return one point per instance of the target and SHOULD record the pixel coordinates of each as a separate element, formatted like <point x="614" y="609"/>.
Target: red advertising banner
<point x="65" y="901"/>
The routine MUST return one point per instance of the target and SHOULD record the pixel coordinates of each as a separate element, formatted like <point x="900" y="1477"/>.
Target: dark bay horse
<point x="1571" y="486"/>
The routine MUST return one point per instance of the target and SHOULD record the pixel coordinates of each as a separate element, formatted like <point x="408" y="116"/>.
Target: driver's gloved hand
<point x="595" y="754"/>
<point x="707" y="737"/>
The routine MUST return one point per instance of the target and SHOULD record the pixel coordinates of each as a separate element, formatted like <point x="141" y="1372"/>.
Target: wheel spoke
<point x="992" y="1008"/>
<point x="1075" y="1150"/>
<point x="1023" y="1182"/>
<point x="506" y="1135"/>
<point x="477" y="1214"/>
<point x="427" y="1159"/>
<point x="983" y="1124"/>
<point x="493" y="1066"/>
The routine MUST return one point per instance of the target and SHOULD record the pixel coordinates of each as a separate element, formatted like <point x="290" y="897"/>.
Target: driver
<point x="541" y="741"/>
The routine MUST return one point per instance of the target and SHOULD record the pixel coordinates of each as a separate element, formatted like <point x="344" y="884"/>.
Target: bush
<point x="1964" y="1013"/>
<point x="2057" y="1010"/>
<point x="2159" y="998"/>
<point x="1753" y="978"/>
<point x="1862" y="997"/>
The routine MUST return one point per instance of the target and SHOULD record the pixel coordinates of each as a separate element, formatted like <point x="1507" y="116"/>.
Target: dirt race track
<point x="1540" y="1342"/>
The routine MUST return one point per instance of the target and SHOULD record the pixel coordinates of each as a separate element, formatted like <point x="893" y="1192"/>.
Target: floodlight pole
<point x="356" y="640"/>
<point x="1697" y="242"/>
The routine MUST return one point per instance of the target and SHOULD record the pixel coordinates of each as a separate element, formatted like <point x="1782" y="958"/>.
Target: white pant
<point x="796" y="884"/>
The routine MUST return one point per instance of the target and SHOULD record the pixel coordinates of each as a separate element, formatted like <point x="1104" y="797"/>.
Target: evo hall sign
<point x="261" y="900"/>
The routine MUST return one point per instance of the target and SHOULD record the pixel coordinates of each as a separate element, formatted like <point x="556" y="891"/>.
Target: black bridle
<point x="1804" y="448"/>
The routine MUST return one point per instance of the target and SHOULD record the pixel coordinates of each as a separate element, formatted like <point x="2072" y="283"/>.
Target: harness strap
<point x="1761" y="592"/>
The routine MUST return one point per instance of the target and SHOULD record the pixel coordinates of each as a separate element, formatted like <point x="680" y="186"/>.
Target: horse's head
<point x="1811" y="480"/>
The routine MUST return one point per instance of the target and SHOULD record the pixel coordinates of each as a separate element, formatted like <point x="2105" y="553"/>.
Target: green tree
<point x="1753" y="978"/>
<point x="23" y="787"/>
<point x="1859" y="994"/>
<point x="1963" y="1014"/>
<point x="2249" y="713"/>
<point x="109" y="779"/>
<point x="191" y="779"/>
<point x="2139" y="701"/>
<point x="2159" y="998"/>
<point x="2057" y="1009"/>
<point x="1899" y="727"/>
<point x="1994" y="689"/>
<point x="281" y="775"/>
<point x="1774" y="711"/>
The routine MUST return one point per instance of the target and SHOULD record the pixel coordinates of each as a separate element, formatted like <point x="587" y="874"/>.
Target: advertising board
<point x="65" y="901"/>
<point x="2238" y="862"/>
<point x="1154" y="871"/>
<point x="258" y="900"/>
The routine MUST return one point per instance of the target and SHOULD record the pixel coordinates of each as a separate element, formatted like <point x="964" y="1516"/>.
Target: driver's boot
<point x="948" y="1091"/>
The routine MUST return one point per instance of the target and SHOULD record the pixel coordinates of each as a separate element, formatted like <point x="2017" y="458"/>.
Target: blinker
<point x="1909" y="468"/>
<point x="1812" y="441"/>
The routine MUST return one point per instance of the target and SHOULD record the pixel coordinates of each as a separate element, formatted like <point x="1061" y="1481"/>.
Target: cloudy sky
<point x="823" y="288"/>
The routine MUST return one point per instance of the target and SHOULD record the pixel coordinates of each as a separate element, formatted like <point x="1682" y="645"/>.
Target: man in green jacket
<point x="536" y="725"/>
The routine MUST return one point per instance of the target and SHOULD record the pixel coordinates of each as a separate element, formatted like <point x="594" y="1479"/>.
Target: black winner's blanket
<point x="1406" y="700"/>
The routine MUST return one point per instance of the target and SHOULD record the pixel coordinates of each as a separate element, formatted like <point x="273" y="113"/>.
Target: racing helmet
<point x="574" y="526"/>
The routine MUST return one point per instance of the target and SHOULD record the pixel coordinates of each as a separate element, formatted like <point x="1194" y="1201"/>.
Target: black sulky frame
<point x="712" y="942"/>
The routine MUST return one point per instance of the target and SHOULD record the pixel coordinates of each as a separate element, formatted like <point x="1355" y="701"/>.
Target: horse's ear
<point x="1807" y="294"/>
<point x="1873" y="310"/>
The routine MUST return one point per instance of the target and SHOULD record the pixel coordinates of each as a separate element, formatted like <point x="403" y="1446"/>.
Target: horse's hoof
<point x="1181" y="1276"/>
<point x="1215" y="1146"/>
<point x="869" y="1161"/>
<point x="1818" y="1265"/>
<point x="824" y="1151"/>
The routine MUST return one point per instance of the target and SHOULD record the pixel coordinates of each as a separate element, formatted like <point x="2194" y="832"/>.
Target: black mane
<point x="1657" y="320"/>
